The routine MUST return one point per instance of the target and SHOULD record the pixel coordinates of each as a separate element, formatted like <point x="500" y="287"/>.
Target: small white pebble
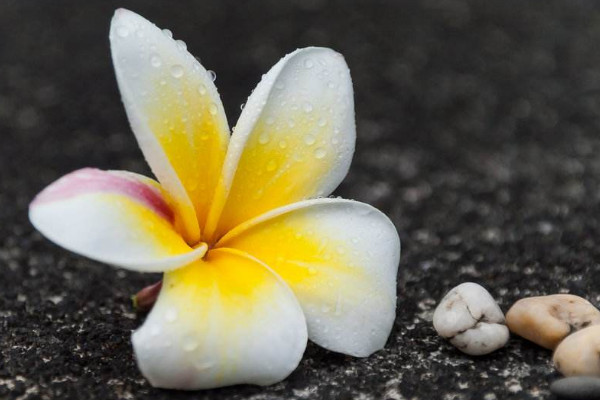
<point x="470" y="318"/>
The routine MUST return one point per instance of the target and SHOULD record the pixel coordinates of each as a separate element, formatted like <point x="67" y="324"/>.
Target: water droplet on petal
<point x="309" y="139"/>
<point x="212" y="109"/>
<point x="202" y="366"/>
<point x="155" y="60"/>
<point x="242" y="106"/>
<point x="271" y="165"/>
<point x="322" y="122"/>
<point x="307" y="107"/>
<point x="122" y="31"/>
<point x="171" y="315"/>
<point x="189" y="344"/>
<point x="202" y="89"/>
<point x="168" y="33"/>
<point x="181" y="45"/>
<point x="263" y="138"/>
<point x="155" y="330"/>
<point x="282" y="144"/>
<point x="308" y="63"/>
<point x="177" y="71"/>
<point x="212" y="74"/>
<point x="320" y="152"/>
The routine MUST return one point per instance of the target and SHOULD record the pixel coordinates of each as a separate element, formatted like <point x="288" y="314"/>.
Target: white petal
<point x="221" y="321"/>
<point x="340" y="257"/>
<point x="115" y="217"/>
<point x="294" y="139"/>
<point x="175" y="112"/>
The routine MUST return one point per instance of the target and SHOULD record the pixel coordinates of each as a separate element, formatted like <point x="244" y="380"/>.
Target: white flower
<point x="255" y="261"/>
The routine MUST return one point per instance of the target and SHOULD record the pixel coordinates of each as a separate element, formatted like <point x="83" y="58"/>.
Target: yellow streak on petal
<point x="146" y="225"/>
<point x="284" y="160"/>
<point x="193" y="134"/>
<point x="312" y="262"/>
<point x="218" y="300"/>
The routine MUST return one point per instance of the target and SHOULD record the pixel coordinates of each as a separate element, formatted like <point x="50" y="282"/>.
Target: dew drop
<point x="177" y="71"/>
<point x="181" y="45"/>
<point x="242" y="106"/>
<point x="212" y="109"/>
<point x="122" y="31"/>
<point x="320" y="152"/>
<point x="322" y="122"/>
<point x="171" y="315"/>
<point x="168" y="33"/>
<point x="212" y="74"/>
<point x="155" y="60"/>
<point x="202" y="89"/>
<point x="189" y="344"/>
<point x="259" y="193"/>
<point x="271" y="165"/>
<point x="263" y="138"/>
<point x="308" y="63"/>
<point x="309" y="139"/>
<point x="335" y="141"/>
<point x="307" y="107"/>
<point x="282" y="144"/>
<point x="202" y="366"/>
<point x="155" y="331"/>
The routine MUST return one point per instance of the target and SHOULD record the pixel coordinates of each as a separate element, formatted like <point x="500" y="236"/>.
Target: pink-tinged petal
<point x="115" y="217"/>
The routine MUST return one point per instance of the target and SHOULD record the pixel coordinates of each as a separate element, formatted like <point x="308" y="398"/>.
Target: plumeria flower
<point x="255" y="259"/>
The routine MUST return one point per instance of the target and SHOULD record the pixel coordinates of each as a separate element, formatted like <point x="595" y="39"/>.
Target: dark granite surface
<point x="478" y="127"/>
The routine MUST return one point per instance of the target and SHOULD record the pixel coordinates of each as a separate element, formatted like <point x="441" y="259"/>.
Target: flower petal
<point x="340" y="257"/>
<point x="221" y="321"/>
<point x="175" y="112"/>
<point x="294" y="139"/>
<point x="115" y="217"/>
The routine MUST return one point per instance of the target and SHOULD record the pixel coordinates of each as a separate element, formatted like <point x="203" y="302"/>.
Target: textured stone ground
<point x="478" y="127"/>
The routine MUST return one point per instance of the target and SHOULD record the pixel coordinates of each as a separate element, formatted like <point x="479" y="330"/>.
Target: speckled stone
<point x="577" y="388"/>
<point x="469" y="317"/>
<point x="546" y="320"/>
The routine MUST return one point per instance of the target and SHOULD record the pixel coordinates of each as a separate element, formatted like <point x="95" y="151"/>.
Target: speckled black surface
<point x="478" y="128"/>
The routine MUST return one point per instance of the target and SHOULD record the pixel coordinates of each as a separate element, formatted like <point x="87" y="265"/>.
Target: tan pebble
<point x="546" y="320"/>
<point x="579" y="353"/>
